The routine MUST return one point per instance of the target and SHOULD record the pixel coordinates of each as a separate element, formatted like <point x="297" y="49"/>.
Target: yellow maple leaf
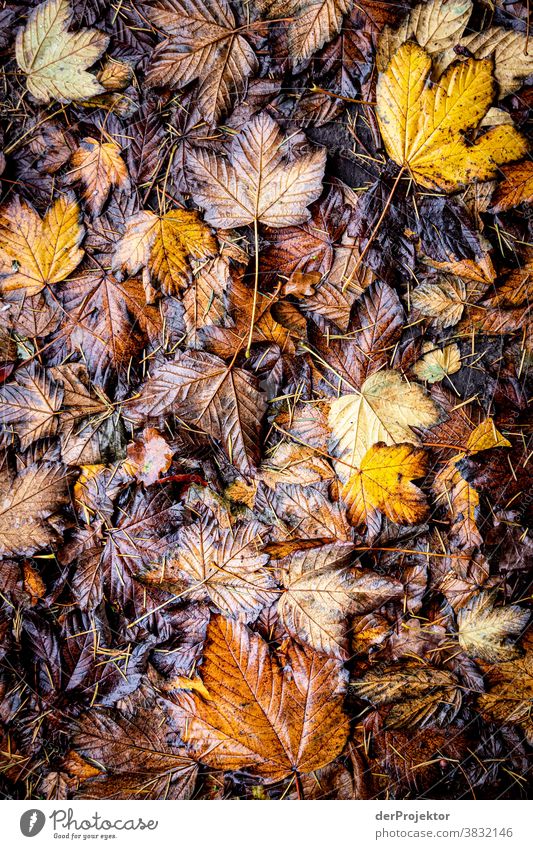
<point x="384" y="483"/>
<point x="98" y="167"/>
<point x="35" y="252"/>
<point x="54" y="59"/>
<point x="423" y="125"/>
<point x="163" y="246"/>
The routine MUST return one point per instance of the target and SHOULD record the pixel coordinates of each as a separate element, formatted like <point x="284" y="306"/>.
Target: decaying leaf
<point x="322" y="589"/>
<point x="257" y="183"/>
<point x="164" y="245"/>
<point x="385" y="410"/>
<point x="312" y="22"/>
<point x="29" y="504"/>
<point x="205" y="392"/>
<point x="204" y="44"/>
<point x="98" y="166"/>
<point x="437" y="363"/>
<point x="418" y="695"/>
<point x="516" y="187"/>
<point x="486" y="631"/>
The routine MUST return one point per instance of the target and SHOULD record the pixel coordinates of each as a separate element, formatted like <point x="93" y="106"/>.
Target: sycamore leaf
<point x="204" y="44"/>
<point x="222" y="565"/>
<point x="29" y="503"/>
<point x="444" y="300"/>
<point x="203" y="300"/>
<point x="436" y="363"/>
<point x="485" y="631"/>
<point x="262" y="719"/>
<point x="98" y="166"/>
<point x="516" y="188"/>
<point x="435" y="25"/>
<point x="423" y="126"/>
<point x="108" y="320"/>
<point x="385" y="410"/>
<point x="164" y="245"/>
<point x="222" y="400"/>
<point x="138" y="753"/>
<point x="294" y="464"/>
<point x="312" y="22"/>
<point x="256" y="182"/>
<point x="56" y="60"/>
<point x="322" y="588"/>
<point x="35" y="253"/>
<point x="309" y="511"/>
<point x="418" y="694"/>
<point x="384" y="482"/>
<point x="31" y="404"/>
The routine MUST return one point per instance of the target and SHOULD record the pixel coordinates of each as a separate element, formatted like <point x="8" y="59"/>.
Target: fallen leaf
<point x="29" y="503"/>
<point x="149" y="456"/>
<point x="385" y="410"/>
<point x="419" y="695"/>
<point x="35" y="253"/>
<point x="314" y="22"/>
<point x="256" y="183"/>
<point x="322" y="588"/>
<point x="55" y="60"/>
<point x="164" y="246"/>
<point x="516" y="188"/>
<point x="486" y="631"/>
<point x="436" y="26"/>
<point x="436" y="363"/>
<point x="204" y="44"/>
<point x="423" y="126"/>
<point x="384" y="482"/>
<point x="139" y="755"/>
<point x="98" y="166"/>
<point x="223" y="566"/>
<point x="30" y="405"/>
<point x="261" y="719"/>
<point x="222" y="400"/>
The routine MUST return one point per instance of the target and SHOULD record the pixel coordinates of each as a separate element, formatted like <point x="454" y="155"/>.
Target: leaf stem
<point x="375" y="230"/>
<point x="256" y="288"/>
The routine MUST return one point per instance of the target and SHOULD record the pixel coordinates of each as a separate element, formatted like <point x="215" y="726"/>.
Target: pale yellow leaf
<point x="385" y="410"/>
<point x="55" y="60"/>
<point x="436" y="363"/>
